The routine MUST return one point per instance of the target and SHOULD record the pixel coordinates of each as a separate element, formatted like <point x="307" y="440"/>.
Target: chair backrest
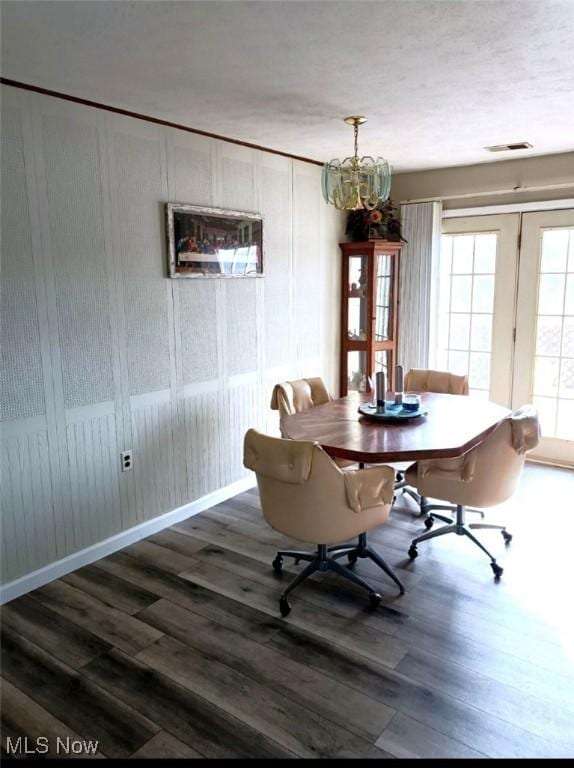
<point x="423" y="380"/>
<point x="295" y="396"/>
<point x="489" y="473"/>
<point x="499" y="459"/>
<point x="307" y="497"/>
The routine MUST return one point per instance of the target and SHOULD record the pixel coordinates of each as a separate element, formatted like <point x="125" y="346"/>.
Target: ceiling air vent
<point x="507" y="147"/>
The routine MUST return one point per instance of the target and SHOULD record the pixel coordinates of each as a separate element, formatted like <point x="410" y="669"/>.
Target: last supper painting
<point x="213" y="242"/>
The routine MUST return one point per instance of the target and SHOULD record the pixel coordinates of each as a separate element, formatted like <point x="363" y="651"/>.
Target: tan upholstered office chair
<point x="422" y="380"/>
<point x="305" y="495"/>
<point x="291" y="397"/>
<point x="484" y="476"/>
<point x="295" y="396"/>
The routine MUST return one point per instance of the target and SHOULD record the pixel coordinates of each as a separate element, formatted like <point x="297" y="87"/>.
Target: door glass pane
<point x="483" y="293"/>
<point x="565" y="419"/>
<point x="383" y="330"/>
<point x="479" y="370"/>
<point x="546" y="372"/>
<point x="460" y="293"/>
<point x="458" y="362"/>
<point x="555" y="251"/>
<point x="548" y="335"/>
<point x="546" y="407"/>
<point x="357" y="299"/>
<point x="485" y="254"/>
<point x="481" y="333"/>
<point x="459" y="331"/>
<point x="551" y="294"/>
<point x="553" y="389"/>
<point x="569" y="300"/>
<point x="468" y="264"/>
<point x="462" y="254"/>
<point x="568" y="337"/>
<point x="567" y="378"/>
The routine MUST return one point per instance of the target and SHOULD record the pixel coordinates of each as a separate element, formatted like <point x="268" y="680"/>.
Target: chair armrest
<point x="369" y="487"/>
<point x="461" y="468"/>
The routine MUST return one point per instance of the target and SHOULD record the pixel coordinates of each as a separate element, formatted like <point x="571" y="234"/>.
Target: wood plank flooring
<point x="174" y="647"/>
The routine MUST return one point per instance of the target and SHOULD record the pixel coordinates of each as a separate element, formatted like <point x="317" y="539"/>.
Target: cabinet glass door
<point x="357" y="317"/>
<point x="384" y="362"/>
<point x="383" y="298"/>
<point x="357" y="371"/>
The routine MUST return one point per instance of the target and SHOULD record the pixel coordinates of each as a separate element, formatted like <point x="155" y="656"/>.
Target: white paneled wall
<point x="101" y="352"/>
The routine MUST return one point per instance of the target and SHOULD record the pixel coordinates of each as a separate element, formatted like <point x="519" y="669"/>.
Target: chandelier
<point x="356" y="182"/>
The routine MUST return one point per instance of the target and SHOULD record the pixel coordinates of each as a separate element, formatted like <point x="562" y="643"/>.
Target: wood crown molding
<point x="150" y="119"/>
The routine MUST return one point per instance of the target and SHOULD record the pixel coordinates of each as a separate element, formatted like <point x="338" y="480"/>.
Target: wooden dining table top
<point x="453" y="425"/>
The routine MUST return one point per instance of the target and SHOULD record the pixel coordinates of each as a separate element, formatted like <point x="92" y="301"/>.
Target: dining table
<point x="451" y="426"/>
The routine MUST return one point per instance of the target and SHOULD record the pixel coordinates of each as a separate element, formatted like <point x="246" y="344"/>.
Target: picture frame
<point x="213" y="242"/>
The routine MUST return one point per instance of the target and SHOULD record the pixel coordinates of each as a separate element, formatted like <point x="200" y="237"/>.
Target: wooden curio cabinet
<point x="369" y="308"/>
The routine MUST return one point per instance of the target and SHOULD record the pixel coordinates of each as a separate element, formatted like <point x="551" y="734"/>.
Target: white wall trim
<point x="88" y="412"/>
<point x="120" y="540"/>
<point x="485" y="210"/>
<point x="150" y="398"/>
<point x="200" y="387"/>
<point x="18" y="427"/>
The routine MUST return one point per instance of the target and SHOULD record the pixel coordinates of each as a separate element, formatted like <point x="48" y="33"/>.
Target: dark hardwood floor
<point x="174" y="647"/>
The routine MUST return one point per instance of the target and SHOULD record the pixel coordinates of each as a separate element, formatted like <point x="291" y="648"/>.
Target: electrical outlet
<point x="127" y="461"/>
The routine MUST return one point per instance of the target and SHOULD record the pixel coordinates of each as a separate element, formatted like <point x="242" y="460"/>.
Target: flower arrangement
<point x="380" y="223"/>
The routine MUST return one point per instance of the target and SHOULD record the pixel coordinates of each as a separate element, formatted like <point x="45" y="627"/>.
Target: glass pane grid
<point x="383" y="297"/>
<point x="553" y="381"/>
<point x="470" y="270"/>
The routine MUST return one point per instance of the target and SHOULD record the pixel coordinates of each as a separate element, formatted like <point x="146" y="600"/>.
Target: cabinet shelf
<point x="369" y="326"/>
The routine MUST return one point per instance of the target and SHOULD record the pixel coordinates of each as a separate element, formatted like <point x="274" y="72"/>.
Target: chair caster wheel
<point x="429" y="522"/>
<point x="284" y="606"/>
<point x="413" y="552"/>
<point x="497" y="570"/>
<point x="374" y="599"/>
<point x="507" y="537"/>
<point x="352" y="558"/>
<point x="278" y="564"/>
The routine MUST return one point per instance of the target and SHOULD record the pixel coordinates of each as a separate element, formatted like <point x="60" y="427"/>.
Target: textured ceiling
<point x="438" y="80"/>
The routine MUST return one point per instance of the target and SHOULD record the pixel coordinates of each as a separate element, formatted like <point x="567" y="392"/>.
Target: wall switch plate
<point x="127" y="462"/>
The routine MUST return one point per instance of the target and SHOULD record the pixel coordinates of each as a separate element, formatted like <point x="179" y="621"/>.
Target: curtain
<point x="418" y="293"/>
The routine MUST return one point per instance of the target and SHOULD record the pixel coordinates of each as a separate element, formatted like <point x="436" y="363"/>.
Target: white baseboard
<point x="120" y="540"/>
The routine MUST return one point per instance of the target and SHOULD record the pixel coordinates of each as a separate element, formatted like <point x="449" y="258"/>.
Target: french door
<point x="544" y="353"/>
<point x="506" y="316"/>
<point x="476" y="302"/>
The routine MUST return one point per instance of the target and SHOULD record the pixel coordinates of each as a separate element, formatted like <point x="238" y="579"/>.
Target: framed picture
<point x="213" y="242"/>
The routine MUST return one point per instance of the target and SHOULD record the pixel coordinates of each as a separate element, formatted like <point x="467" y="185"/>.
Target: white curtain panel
<point x="419" y="274"/>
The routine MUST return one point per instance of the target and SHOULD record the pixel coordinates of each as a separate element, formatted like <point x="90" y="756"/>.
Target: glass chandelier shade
<point x="356" y="182"/>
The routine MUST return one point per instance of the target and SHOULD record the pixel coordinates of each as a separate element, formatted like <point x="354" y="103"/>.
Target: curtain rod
<point x="470" y="195"/>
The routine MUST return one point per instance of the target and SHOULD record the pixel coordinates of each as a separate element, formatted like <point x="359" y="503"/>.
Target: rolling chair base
<point x="461" y="528"/>
<point x="325" y="559"/>
<point x="425" y="507"/>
